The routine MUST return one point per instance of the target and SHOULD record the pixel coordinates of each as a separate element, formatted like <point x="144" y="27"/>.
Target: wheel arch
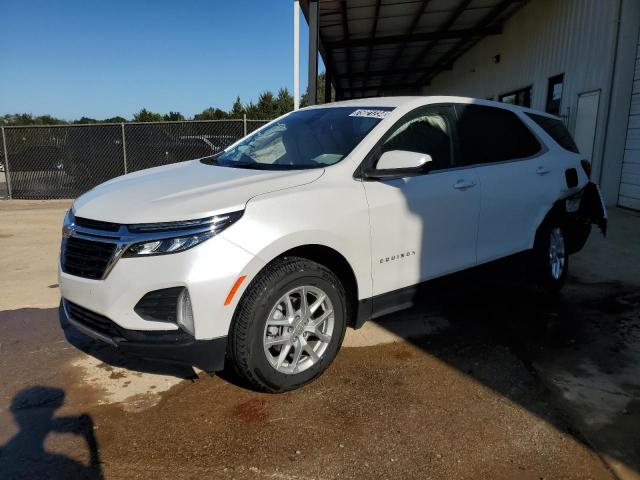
<point x="333" y="260"/>
<point x="557" y="211"/>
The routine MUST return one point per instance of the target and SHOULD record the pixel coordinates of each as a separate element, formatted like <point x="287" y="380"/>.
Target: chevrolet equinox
<point x="260" y="256"/>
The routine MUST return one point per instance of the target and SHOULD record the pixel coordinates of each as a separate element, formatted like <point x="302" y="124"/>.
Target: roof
<point x="381" y="47"/>
<point x="371" y="102"/>
<point x="417" y="100"/>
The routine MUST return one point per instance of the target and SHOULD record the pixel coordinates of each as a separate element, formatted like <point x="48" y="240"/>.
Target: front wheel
<point x="289" y="325"/>
<point x="550" y="259"/>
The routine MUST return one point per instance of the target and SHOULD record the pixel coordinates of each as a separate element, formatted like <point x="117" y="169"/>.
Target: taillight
<point x="586" y="166"/>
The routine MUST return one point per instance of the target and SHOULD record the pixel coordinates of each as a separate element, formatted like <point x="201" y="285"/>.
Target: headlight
<point x="67" y="222"/>
<point x="173" y="237"/>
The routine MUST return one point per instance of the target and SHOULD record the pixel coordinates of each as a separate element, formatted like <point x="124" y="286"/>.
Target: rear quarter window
<point x="489" y="135"/>
<point x="556" y="130"/>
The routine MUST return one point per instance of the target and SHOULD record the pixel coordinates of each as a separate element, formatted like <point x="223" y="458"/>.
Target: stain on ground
<point x="252" y="411"/>
<point x="507" y="390"/>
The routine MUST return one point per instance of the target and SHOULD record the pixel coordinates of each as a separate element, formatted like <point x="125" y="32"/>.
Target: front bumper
<point x="175" y="346"/>
<point x="208" y="271"/>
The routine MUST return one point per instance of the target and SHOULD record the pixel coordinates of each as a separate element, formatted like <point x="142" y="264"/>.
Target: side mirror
<point x="401" y="159"/>
<point x="399" y="164"/>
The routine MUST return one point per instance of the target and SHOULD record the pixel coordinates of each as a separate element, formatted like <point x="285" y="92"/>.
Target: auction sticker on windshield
<point x="369" y="113"/>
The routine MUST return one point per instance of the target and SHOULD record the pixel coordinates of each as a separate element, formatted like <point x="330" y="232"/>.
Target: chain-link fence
<point x="64" y="161"/>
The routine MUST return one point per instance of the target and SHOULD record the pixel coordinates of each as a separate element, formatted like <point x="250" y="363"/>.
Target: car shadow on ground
<point x="504" y="334"/>
<point x="110" y="355"/>
<point x="495" y="319"/>
<point x="24" y="455"/>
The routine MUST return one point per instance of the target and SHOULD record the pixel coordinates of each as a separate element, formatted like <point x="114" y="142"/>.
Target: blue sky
<point x="112" y="57"/>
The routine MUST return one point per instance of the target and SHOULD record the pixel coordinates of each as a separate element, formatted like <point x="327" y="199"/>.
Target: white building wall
<point x="544" y="39"/>
<point x="629" y="195"/>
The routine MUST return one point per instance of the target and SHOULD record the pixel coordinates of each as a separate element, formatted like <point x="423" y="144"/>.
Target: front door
<point x="424" y="225"/>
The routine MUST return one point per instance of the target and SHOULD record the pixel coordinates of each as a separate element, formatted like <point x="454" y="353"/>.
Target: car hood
<point x="183" y="191"/>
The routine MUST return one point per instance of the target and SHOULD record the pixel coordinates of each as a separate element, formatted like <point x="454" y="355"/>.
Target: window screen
<point x="489" y="134"/>
<point x="520" y="97"/>
<point x="556" y="130"/>
<point x="554" y="94"/>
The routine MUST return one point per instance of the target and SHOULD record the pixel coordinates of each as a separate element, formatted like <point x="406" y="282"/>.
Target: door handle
<point x="463" y="184"/>
<point x="542" y="170"/>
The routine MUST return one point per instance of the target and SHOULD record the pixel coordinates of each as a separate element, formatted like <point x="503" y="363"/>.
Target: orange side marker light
<point x="234" y="289"/>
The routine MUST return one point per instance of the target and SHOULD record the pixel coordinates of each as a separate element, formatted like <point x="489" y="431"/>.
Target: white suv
<point x="260" y="256"/>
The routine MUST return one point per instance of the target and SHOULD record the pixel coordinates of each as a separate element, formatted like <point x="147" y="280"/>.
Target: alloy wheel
<point x="298" y="330"/>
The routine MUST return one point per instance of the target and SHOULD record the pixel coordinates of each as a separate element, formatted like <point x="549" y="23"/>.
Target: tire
<point x="550" y="260"/>
<point x="266" y="323"/>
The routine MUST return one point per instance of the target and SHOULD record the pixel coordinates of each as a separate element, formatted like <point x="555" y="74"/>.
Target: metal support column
<point x="244" y="124"/>
<point x="7" y="175"/>
<point x="124" y="149"/>
<point x="313" y="52"/>
<point x="296" y="54"/>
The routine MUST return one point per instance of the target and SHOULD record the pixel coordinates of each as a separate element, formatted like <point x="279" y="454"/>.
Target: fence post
<point x="7" y="175"/>
<point x="244" y="124"/>
<point x="124" y="148"/>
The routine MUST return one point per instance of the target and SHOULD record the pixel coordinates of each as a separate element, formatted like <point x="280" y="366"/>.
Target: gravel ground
<point x="502" y="382"/>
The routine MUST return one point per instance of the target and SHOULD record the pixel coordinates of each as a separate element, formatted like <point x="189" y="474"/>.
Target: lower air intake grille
<point x="160" y="305"/>
<point x="86" y="258"/>
<point x="92" y="320"/>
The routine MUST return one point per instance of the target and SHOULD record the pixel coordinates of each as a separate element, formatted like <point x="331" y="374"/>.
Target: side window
<point x="556" y="130"/>
<point x="426" y="130"/>
<point x="489" y="135"/>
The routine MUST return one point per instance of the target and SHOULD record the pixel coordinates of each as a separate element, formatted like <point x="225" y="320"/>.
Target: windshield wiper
<point x="247" y="165"/>
<point x="210" y="160"/>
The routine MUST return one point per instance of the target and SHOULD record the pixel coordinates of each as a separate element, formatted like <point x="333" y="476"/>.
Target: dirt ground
<point x="486" y="378"/>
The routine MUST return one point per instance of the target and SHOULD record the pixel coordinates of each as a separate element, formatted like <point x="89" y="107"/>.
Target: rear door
<point x="423" y="225"/>
<point x="518" y="178"/>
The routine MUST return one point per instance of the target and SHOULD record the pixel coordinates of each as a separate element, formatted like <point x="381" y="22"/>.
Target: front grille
<point x="86" y="258"/>
<point x="92" y="320"/>
<point x="96" y="224"/>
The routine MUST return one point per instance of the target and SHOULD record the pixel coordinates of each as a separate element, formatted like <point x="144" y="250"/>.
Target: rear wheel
<point x="550" y="258"/>
<point x="289" y="325"/>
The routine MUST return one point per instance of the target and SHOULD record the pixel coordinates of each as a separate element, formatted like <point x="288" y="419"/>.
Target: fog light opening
<point x="185" y="312"/>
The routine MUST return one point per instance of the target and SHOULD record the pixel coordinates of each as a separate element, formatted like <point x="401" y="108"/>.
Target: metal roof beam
<point x="443" y="29"/>
<point x="367" y="60"/>
<point x="459" y="48"/>
<point x="383" y="73"/>
<point x="345" y="35"/>
<point x="416" y="37"/>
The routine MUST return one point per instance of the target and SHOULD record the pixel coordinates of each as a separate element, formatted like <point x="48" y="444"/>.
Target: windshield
<point x="304" y="139"/>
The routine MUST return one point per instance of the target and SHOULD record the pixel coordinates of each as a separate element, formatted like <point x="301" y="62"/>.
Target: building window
<point x="520" y="97"/>
<point x="554" y="94"/>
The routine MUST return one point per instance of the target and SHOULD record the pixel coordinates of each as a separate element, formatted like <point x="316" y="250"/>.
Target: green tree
<point x="173" y="117"/>
<point x="210" y="114"/>
<point x="84" y="119"/>
<point x="116" y="119"/>
<point x="266" y="107"/>
<point x="12" y="119"/>
<point x="145" y="115"/>
<point x="284" y="102"/>
<point x="304" y="100"/>
<point x="237" y="110"/>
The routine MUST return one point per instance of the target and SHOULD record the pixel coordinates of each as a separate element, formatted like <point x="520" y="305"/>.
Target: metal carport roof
<point x="383" y="47"/>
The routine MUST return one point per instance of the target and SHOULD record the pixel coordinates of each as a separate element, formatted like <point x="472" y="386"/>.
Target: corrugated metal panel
<point x="543" y="39"/>
<point x="629" y="195"/>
